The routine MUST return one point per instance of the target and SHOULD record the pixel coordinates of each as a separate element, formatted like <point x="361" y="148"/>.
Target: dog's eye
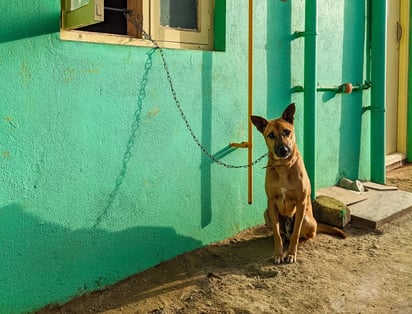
<point x="286" y="132"/>
<point x="271" y="135"/>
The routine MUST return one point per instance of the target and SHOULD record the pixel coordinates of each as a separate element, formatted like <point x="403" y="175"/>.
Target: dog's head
<point x="279" y="133"/>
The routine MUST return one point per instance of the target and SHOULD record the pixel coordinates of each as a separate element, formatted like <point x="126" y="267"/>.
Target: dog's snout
<point x="282" y="151"/>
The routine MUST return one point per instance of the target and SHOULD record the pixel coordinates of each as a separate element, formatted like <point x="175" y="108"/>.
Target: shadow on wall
<point x="17" y="27"/>
<point x="206" y="165"/>
<point x="132" y="137"/>
<point x="352" y="71"/>
<point x="278" y="45"/>
<point x="44" y="263"/>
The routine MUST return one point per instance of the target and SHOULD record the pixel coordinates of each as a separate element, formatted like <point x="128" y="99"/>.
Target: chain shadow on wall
<point x="132" y="137"/>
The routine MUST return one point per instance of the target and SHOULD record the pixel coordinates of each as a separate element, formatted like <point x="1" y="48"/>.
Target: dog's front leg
<point x="294" y="239"/>
<point x="277" y="239"/>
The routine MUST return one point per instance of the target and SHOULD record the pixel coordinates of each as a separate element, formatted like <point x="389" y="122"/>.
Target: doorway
<point x="396" y="81"/>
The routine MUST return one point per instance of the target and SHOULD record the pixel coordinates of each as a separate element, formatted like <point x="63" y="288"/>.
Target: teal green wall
<point x="343" y="128"/>
<point x="100" y="178"/>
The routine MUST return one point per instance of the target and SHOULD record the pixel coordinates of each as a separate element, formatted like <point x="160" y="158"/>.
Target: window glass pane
<point x="75" y="4"/>
<point x="179" y="13"/>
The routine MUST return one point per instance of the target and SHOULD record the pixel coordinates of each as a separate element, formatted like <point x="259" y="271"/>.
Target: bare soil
<point x="369" y="272"/>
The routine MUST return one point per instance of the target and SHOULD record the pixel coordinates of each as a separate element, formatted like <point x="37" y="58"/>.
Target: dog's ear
<point x="289" y="113"/>
<point x="259" y="122"/>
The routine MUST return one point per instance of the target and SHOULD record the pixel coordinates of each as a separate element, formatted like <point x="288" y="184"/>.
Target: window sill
<point x="103" y="38"/>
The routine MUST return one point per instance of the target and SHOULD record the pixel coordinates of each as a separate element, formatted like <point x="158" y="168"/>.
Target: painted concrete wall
<point x="343" y="127"/>
<point x="100" y="178"/>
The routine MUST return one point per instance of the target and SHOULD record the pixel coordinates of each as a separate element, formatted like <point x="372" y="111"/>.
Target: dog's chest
<point x="284" y="204"/>
<point x="282" y="195"/>
<point x="283" y="188"/>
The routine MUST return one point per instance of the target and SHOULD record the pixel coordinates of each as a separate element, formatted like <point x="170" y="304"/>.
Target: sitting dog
<point x="287" y="187"/>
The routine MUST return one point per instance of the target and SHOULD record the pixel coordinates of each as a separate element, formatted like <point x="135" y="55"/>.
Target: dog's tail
<point x="331" y="230"/>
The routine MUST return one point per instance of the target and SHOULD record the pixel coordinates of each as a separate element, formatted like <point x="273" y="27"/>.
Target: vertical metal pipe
<point x="378" y="93"/>
<point x="409" y="109"/>
<point x="309" y="142"/>
<point x="250" y="102"/>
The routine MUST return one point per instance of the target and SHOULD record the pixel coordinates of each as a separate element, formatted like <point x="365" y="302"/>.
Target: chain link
<point x="132" y="18"/>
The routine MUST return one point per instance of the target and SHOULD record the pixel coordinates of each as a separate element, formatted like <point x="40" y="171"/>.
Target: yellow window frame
<point x="147" y="11"/>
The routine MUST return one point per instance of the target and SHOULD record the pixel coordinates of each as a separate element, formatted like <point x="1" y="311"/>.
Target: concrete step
<point x="374" y="207"/>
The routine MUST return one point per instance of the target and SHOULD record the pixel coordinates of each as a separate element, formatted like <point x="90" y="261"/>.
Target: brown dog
<point x="287" y="187"/>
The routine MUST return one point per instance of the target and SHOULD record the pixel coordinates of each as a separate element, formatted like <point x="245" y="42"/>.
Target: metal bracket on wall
<point x="298" y="34"/>
<point x="345" y="88"/>
<point x="297" y="89"/>
<point x="240" y="145"/>
<point x="373" y="108"/>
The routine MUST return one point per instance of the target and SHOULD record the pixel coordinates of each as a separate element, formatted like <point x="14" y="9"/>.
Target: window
<point x="190" y="24"/>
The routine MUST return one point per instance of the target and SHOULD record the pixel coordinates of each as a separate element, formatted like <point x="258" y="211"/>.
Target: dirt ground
<point x="369" y="272"/>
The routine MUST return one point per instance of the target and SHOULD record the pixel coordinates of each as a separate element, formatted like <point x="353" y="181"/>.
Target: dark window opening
<point x="114" y="21"/>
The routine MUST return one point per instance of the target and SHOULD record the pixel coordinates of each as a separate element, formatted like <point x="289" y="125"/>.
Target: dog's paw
<point x="291" y="258"/>
<point x="277" y="259"/>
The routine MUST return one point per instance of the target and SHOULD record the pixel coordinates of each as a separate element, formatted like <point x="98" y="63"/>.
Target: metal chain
<point x="131" y="17"/>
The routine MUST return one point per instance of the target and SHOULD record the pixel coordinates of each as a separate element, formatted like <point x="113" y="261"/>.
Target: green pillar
<point x="309" y="141"/>
<point x="378" y="93"/>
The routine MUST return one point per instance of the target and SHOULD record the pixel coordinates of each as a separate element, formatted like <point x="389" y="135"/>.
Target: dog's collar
<point x="273" y="163"/>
